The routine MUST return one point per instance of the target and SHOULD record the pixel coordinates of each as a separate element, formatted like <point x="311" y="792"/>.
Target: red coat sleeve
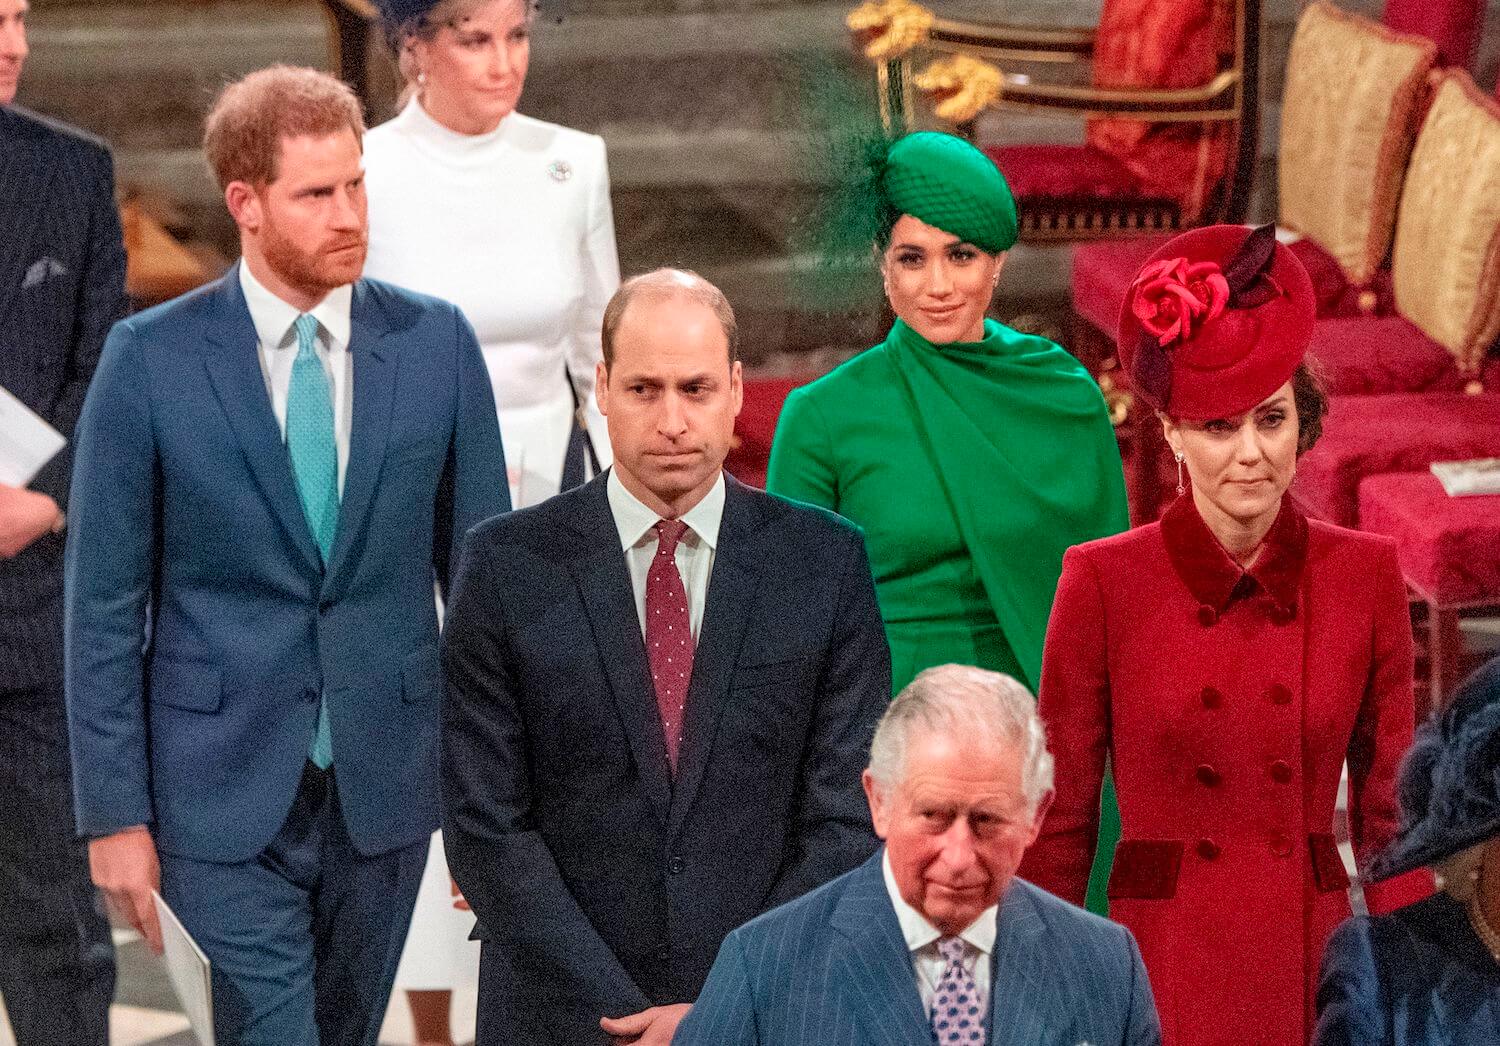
<point x="1382" y="735"/>
<point x="1074" y="704"/>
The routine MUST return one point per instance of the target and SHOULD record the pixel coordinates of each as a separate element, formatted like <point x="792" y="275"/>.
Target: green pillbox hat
<point x="947" y="183"/>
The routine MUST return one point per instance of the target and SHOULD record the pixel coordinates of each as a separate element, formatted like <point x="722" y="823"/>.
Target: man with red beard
<point x="269" y="472"/>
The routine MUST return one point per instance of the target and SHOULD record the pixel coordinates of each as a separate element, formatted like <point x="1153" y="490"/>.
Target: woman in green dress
<point x="971" y="454"/>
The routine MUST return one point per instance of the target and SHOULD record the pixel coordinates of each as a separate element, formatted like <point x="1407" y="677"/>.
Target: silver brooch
<point x="560" y="170"/>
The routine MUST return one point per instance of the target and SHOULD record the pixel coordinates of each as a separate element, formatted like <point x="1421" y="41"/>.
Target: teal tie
<point x="315" y="463"/>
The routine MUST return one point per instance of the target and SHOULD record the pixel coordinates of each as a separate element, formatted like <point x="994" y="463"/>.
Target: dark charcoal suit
<point x="62" y="285"/>
<point x="602" y="885"/>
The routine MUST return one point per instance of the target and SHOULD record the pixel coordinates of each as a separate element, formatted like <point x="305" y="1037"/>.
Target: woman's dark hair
<point x="1311" y="399"/>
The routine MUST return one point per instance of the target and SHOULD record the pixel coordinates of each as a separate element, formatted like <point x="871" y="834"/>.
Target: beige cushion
<point x="1353" y="91"/>
<point x="1446" y="261"/>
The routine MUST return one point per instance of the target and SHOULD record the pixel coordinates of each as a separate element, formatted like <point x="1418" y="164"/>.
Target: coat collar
<point x="1211" y="573"/>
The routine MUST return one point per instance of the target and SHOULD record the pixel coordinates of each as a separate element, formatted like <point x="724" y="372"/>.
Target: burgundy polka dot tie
<point x="669" y="634"/>
<point x="957" y="1017"/>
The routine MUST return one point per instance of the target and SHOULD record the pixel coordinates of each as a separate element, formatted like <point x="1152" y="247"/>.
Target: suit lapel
<point x="374" y="364"/>
<point x="874" y="963"/>
<point x="27" y="168"/>
<point x="726" y="614"/>
<point x="604" y="581"/>
<point x="233" y="365"/>
<point x="1022" y="981"/>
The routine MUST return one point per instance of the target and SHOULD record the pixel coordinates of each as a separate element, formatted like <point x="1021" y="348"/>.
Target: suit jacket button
<point x="1208" y="849"/>
<point x="1207" y="774"/>
<point x="310" y="695"/>
<point x="1207" y="615"/>
<point x="1281" y="846"/>
<point x="675" y="865"/>
<point x="1212" y="698"/>
<point x="1281" y="772"/>
<point x="664" y="954"/>
<point x="1279" y="694"/>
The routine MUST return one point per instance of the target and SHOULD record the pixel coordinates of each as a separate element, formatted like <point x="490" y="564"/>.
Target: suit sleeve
<point x="109" y="568"/>
<point x="100" y="304"/>
<point x="802" y="465"/>
<point x="473" y="485"/>
<point x="1144" y="1026"/>
<point x="1382" y="734"/>
<point x="1074" y="705"/>
<point x="495" y="853"/>
<point x="832" y="820"/>
<point x="600" y="261"/>
<point x="724" y="1013"/>
<point x="1350" y="1010"/>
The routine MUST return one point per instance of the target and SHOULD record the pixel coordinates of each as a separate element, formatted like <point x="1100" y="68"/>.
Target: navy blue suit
<point x="1417" y="977"/>
<point x="62" y="285"/>
<point x="833" y="969"/>
<point x="603" y="884"/>
<point x="203" y="628"/>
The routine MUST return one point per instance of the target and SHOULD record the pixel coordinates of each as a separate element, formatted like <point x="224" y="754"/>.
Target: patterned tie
<point x="957" y="1014"/>
<point x="669" y="634"/>
<point x="315" y="463"/>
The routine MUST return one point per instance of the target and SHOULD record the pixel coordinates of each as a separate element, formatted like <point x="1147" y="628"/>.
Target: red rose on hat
<point x="1171" y="297"/>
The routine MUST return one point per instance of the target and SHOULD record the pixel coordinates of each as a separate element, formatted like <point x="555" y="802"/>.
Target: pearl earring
<point x="1181" y="488"/>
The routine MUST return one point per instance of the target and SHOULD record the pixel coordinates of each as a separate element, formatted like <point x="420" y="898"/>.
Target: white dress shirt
<point x="922" y="940"/>
<point x="695" y="552"/>
<point x="274" y="319"/>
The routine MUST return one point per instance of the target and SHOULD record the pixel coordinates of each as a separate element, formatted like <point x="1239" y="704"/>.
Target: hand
<point x="125" y="868"/>
<point x="25" y="515"/>
<point x="653" y="1027"/>
<point x="461" y="904"/>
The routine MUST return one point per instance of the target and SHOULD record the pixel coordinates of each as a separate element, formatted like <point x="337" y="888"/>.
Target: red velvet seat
<point x="753" y="429"/>
<point x="1454" y="25"/>
<point x="1449" y="547"/>
<point x="1371" y="356"/>
<point x="1365" y="436"/>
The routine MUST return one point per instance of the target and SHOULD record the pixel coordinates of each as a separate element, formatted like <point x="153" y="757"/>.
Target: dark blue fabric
<point x="602" y="883"/>
<point x="833" y="969"/>
<point x="1417" y="977"/>
<point x="201" y="623"/>
<point x="274" y="983"/>
<point x="62" y="285"/>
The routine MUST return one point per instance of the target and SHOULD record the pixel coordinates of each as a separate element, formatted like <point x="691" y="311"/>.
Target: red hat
<point x="1215" y="322"/>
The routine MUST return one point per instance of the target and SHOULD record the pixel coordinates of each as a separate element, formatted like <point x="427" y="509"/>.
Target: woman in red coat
<point x="1227" y="660"/>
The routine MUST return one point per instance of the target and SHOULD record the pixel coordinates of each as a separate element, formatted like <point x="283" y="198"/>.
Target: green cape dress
<point x="971" y="467"/>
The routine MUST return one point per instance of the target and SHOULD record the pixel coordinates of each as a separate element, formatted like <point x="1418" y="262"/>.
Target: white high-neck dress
<point x="515" y="228"/>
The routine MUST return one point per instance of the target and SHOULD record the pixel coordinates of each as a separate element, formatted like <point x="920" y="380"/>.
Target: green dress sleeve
<point x="802" y="464"/>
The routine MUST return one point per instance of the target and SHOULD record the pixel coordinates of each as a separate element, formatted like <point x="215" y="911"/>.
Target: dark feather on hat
<point x="1153" y="371"/>
<point x="1247" y="272"/>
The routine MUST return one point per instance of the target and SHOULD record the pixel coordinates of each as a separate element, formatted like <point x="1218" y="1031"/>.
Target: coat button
<point x="1281" y="772"/>
<point x="664" y="954"/>
<point x="1207" y="774"/>
<point x="675" y="865"/>
<point x="1207" y="615"/>
<point x="1281" y="846"/>
<point x="1208" y="849"/>
<point x="1279" y="694"/>
<point x="1212" y="698"/>
<point x="1283" y="615"/>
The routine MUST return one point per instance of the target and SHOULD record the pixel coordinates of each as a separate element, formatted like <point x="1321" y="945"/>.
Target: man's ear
<point x="1042" y="807"/>
<point x="244" y="205"/>
<point x="601" y="387"/>
<point x="737" y="385"/>
<point x="879" y="809"/>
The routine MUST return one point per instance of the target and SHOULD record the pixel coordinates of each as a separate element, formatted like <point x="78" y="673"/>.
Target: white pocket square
<point x="42" y="269"/>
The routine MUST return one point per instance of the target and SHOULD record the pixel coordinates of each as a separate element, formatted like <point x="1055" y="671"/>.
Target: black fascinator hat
<point x="1450" y="780"/>
<point x="396" y="13"/>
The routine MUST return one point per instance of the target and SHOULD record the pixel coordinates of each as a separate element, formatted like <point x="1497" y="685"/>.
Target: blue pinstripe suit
<point x="62" y="285"/>
<point x="832" y="969"/>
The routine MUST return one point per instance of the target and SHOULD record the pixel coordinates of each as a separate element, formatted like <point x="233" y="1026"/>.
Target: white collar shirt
<point x="277" y="338"/>
<point x="922" y="943"/>
<point x="695" y="552"/>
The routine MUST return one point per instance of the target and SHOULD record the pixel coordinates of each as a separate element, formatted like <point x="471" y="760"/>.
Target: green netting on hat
<point x="947" y="183"/>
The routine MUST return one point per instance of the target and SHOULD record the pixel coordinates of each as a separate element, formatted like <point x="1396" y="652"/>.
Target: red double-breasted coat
<point x="1227" y="701"/>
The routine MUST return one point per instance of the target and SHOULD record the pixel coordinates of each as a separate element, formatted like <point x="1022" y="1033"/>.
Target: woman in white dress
<point x="509" y="218"/>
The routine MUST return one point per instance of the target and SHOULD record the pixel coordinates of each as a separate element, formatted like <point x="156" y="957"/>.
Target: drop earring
<point x="1181" y="489"/>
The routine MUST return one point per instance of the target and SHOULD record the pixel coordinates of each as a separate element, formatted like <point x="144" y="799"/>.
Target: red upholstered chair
<point x="1454" y="25"/>
<point x="1168" y="92"/>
